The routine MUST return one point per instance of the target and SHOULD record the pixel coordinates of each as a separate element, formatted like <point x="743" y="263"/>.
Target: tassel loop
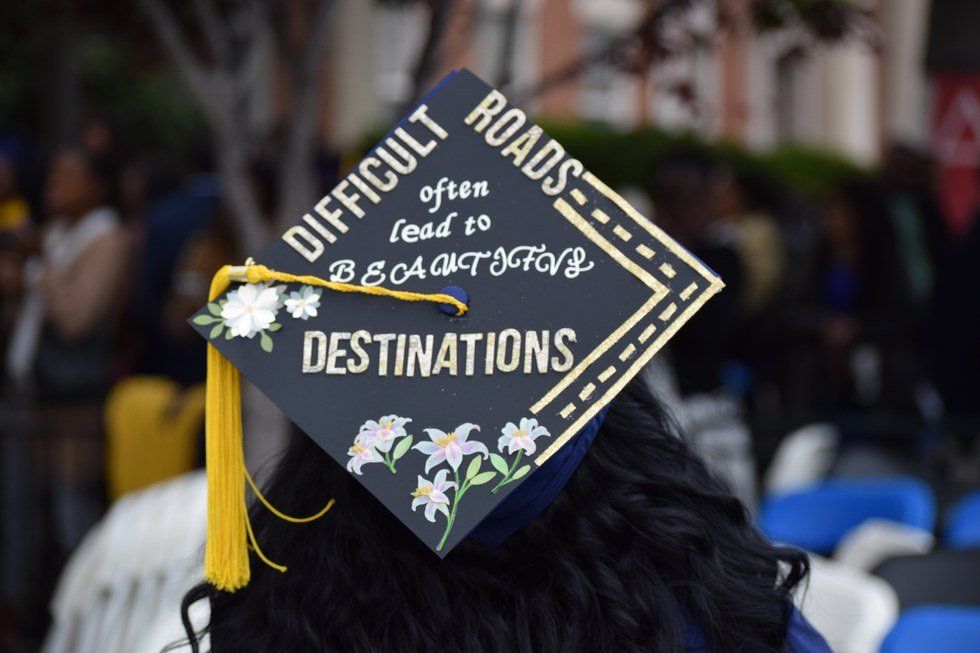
<point x="259" y="273"/>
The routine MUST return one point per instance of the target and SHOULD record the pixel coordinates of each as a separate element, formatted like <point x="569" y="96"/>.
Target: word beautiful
<point x="377" y="174"/>
<point x="400" y="354"/>
<point x="569" y="263"/>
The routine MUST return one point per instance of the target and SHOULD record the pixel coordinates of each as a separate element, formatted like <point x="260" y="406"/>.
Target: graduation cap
<point x="443" y="322"/>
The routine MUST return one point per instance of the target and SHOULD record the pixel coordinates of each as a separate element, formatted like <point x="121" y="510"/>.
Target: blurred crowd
<point x="104" y="253"/>
<point x="861" y="303"/>
<point x="857" y="307"/>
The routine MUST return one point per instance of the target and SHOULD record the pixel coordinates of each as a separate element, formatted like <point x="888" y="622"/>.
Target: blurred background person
<point x="59" y="365"/>
<point x="756" y="238"/>
<point x="72" y="286"/>
<point x="851" y="312"/>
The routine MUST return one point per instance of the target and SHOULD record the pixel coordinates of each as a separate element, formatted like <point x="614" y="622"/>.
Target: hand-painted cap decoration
<point x="465" y="204"/>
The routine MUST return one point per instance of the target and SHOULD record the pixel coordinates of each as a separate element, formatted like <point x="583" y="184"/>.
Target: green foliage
<point x="150" y="102"/>
<point x="498" y="463"/>
<point x="521" y="473"/>
<point x="114" y="72"/>
<point x="810" y="171"/>
<point x="631" y="158"/>
<point x="480" y="479"/>
<point x="402" y="447"/>
<point x="473" y="468"/>
<point x="265" y="341"/>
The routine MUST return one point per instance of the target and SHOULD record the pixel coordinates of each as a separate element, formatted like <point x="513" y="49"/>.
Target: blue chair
<point x="963" y="524"/>
<point x="950" y="629"/>
<point x="816" y="518"/>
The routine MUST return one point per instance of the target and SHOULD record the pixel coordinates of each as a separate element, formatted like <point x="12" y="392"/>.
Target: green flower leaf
<point x="498" y="463"/>
<point x="480" y="479"/>
<point x="229" y="334"/>
<point x="275" y="326"/>
<point x="521" y="473"/>
<point x="266" y="342"/>
<point x="214" y="309"/>
<point x="402" y="447"/>
<point x="204" y="320"/>
<point x="216" y="331"/>
<point x="474" y="467"/>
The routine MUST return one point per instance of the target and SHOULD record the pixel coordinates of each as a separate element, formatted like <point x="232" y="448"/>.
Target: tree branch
<point x="576" y="66"/>
<point x="310" y="82"/>
<point x="189" y="68"/>
<point x="212" y="91"/>
<point x="506" y="59"/>
<point x="438" y="19"/>
<point x="296" y="181"/>
<point x="215" y="31"/>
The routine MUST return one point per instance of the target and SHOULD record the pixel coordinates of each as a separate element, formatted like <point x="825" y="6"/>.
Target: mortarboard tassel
<point x="225" y="555"/>
<point x="229" y="531"/>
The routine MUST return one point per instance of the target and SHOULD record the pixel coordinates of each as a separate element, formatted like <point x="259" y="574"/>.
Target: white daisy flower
<point x="250" y="308"/>
<point x="303" y="304"/>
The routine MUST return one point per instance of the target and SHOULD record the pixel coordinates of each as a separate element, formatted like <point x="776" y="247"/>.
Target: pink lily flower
<point x="523" y="437"/>
<point x="433" y="495"/>
<point x="451" y="446"/>
<point x="361" y="455"/>
<point x="382" y="434"/>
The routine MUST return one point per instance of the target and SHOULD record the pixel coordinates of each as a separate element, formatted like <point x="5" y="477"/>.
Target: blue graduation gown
<point x="801" y="637"/>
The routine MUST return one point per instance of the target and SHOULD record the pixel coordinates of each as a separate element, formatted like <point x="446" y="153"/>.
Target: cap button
<point x="457" y="293"/>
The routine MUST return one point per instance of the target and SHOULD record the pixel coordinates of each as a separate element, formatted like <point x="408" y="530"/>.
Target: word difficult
<point x="377" y="174"/>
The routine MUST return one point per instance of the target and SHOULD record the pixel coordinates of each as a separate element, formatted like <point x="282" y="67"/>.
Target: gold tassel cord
<point x="260" y="273"/>
<point x="229" y="531"/>
<point x="275" y="511"/>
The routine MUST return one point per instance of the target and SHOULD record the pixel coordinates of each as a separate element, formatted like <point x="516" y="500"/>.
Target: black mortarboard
<point x="440" y="414"/>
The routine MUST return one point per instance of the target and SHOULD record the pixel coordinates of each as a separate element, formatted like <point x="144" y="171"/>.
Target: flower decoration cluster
<point x="386" y="441"/>
<point x="376" y="440"/>
<point x="251" y="310"/>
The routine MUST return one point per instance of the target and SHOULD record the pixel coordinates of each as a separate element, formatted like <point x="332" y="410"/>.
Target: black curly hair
<point x="641" y="547"/>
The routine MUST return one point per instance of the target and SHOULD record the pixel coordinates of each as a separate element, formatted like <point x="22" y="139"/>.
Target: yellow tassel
<point x="226" y="551"/>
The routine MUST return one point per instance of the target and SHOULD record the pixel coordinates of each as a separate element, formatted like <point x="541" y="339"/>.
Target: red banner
<point x="956" y="144"/>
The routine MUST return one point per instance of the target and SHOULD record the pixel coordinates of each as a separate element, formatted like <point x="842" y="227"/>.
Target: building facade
<point x="762" y="90"/>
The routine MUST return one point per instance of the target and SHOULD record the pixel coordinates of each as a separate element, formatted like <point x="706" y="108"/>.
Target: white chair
<point x="876" y="540"/>
<point x="712" y="425"/>
<point x="854" y="611"/>
<point x="726" y="448"/>
<point x="121" y="589"/>
<point x="803" y="458"/>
